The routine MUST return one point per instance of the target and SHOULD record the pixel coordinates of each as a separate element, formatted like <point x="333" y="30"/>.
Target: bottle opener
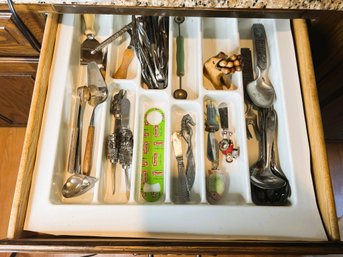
<point x="152" y="177"/>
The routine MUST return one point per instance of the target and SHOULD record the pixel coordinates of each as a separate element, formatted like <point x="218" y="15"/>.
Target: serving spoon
<point x="261" y="92"/>
<point x="262" y="175"/>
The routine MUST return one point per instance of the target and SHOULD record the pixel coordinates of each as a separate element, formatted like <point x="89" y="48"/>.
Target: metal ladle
<point x="262" y="175"/>
<point x="78" y="184"/>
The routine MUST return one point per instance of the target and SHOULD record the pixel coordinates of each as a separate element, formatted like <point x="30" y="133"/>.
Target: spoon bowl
<point x="78" y="184"/>
<point x="97" y="95"/>
<point x="261" y="93"/>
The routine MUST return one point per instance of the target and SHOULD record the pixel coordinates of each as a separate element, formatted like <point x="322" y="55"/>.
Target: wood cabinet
<point x="17" y="78"/>
<point x="326" y="35"/>
<point x="18" y="65"/>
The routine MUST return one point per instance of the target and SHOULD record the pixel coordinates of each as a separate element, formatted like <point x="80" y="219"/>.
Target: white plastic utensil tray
<point x="98" y="213"/>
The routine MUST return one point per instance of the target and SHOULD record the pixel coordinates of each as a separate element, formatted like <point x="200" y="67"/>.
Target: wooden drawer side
<point x="21" y="195"/>
<point x="319" y="160"/>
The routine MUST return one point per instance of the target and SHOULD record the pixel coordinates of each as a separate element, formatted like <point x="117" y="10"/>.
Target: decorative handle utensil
<point x="182" y="192"/>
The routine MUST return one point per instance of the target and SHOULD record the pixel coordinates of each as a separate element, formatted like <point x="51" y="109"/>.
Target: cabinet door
<point x="12" y="41"/>
<point x="16" y="87"/>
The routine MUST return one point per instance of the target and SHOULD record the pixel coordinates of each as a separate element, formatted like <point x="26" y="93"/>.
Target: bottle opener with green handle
<point x="152" y="177"/>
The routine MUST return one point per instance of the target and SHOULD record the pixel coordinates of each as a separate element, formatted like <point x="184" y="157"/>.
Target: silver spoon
<point x="261" y="92"/>
<point x="262" y="175"/>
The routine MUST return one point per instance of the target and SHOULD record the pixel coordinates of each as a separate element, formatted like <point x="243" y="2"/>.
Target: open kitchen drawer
<point x="20" y="240"/>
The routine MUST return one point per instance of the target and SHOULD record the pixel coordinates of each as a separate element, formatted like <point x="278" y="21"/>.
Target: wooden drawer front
<point x="12" y="41"/>
<point x="15" y="99"/>
<point x="17" y="78"/>
<point x="25" y="242"/>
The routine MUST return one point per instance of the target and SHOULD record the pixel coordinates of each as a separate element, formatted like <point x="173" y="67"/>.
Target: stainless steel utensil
<point x="261" y="92"/>
<point x="261" y="173"/>
<point x="111" y="38"/>
<point x="187" y="133"/>
<point x="74" y="160"/>
<point x="251" y="120"/>
<point x="182" y="191"/>
<point x="120" y="142"/>
<point x="78" y="184"/>
<point x="152" y="50"/>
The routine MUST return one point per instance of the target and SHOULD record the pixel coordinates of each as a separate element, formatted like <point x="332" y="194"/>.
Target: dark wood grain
<point x="16" y="86"/>
<point x="15" y="98"/>
<point x="332" y="115"/>
<point x="141" y="246"/>
<point x="18" y="65"/>
<point x="335" y="155"/>
<point x="12" y="41"/>
<point x="13" y="139"/>
<point x="326" y="35"/>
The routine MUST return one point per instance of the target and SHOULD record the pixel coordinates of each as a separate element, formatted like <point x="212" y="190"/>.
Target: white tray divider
<point x="136" y="138"/>
<point x="235" y="216"/>
<point x="98" y="146"/>
<point x="167" y="155"/>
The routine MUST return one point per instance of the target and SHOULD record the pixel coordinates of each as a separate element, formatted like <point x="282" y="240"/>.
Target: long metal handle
<point x="190" y="168"/>
<point x="79" y="138"/>
<point x="182" y="189"/>
<point x="112" y="38"/>
<point x="270" y="130"/>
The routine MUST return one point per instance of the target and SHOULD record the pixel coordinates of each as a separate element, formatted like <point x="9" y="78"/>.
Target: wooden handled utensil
<point x="128" y="55"/>
<point x="88" y="157"/>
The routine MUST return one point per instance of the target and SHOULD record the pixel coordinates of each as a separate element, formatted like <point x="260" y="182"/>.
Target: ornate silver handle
<point x="260" y="46"/>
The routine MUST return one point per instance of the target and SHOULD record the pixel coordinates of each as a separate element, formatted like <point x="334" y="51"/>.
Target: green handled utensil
<point x="180" y="61"/>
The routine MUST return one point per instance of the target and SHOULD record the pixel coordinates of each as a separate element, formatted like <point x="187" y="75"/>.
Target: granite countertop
<point x="256" y="4"/>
